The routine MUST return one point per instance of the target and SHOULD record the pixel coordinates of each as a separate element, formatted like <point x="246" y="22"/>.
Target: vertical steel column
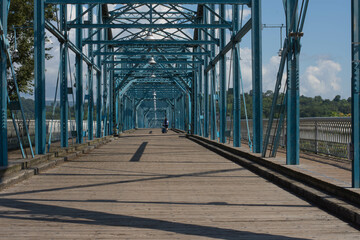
<point x="213" y="81"/>
<point x="194" y="121"/>
<point x="293" y="112"/>
<point x="134" y="114"/>
<point x="200" y="92"/>
<point x="117" y="106"/>
<point x="79" y="79"/>
<point x="64" y="111"/>
<point x="222" y="79"/>
<point x="98" y="79"/>
<point x="190" y="113"/>
<point x="256" y="36"/>
<point x="90" y="84"/>
<point x="236" y="83"/>
<point x="206" y="79"/>
<point x="355" y="91"/>
<point x="3" y="87"/>
<point x="105" y="86"/>
<point x="39" y="74"/>
<point x="112" y="97"/>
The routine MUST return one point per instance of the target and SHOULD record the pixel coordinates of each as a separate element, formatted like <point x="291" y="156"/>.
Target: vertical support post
<point x="190" y="115"/>
<point x="194" y="121"/>
<point x="117" y="106"/>
<point x="64" y="79"/>
<point x="293" y="111"/>
<point x="98" y="79"/>
<point x="90" y="84"/>
<point x="79" y="79"/>
<point x="39" y="74"/>
<point x="200" y="92"/>
<point x="257" y="74"/>
<point x="222" y="79"/>
<point x="355" y="91"/>
<point x="213" y="81"/>
<point x="105" y="86"/>
<point x="236" y="83"/>
<point x="112" y="98"/>
<point x="173" y="116"/>
<point x="206" y="79"/>
<point x="3" y="87"/>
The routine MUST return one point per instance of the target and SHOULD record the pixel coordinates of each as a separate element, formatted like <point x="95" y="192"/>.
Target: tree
<point x="337" y="98"/>
<point x="20" y="21"/>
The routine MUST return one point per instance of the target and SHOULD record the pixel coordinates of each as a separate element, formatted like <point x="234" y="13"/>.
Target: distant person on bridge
<point x="166" y="125"/>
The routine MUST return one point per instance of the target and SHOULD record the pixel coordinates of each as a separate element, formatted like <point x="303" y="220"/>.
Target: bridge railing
<point x="331" y="136"/>
<point x="55" y="136"/>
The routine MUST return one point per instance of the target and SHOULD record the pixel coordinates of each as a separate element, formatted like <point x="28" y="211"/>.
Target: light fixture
<point x="152" y="61"/>
<point x="150" y="37"/>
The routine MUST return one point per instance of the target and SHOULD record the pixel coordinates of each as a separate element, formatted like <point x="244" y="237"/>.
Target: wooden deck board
<point x="175" y="190"/>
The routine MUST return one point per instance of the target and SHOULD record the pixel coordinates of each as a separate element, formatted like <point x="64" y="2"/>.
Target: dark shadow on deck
<point x="137" y="155"/>
<point x="154" y="178"/>
<point x="51" y="213"/>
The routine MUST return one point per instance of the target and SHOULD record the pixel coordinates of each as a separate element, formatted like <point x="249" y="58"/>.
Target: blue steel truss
<point x="151" y="59"/>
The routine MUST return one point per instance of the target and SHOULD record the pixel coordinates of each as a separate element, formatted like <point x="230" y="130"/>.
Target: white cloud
<point x="269" y="70"/>
<point x="321" y="79"/>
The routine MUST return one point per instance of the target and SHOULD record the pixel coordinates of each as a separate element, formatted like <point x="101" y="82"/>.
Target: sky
<point x="325" y="59"/>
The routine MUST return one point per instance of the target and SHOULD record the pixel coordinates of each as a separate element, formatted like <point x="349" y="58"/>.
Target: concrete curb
<point x="348" y="210"/>
<point x="23" y="169"/>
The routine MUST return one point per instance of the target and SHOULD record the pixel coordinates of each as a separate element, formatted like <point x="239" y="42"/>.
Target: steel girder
<point x="146" y="1"/>
<point x="3" y="85"/>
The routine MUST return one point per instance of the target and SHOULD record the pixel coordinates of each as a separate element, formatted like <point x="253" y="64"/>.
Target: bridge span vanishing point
<point x="104" y="170"/>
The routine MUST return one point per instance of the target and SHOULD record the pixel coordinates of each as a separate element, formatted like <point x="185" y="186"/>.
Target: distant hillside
<point x="309" y="107"/>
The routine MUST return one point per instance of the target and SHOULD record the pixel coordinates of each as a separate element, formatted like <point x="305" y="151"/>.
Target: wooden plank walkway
<point x="158" y="186"/>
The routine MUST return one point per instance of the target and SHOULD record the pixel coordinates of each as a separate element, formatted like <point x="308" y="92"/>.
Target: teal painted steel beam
<point x="90" y="118"/>
<point x="206" y="80"/>
<point x="236" y="84"/>
<point x="111" y="100"/>
<point x="257" y="75"/>
<point x="157" y="61"/>
<point x="105" y="87"/>
<point x="200" y="93"/>
<point x="234" y="40"/>
<point x="153" y="26"/>
<point x="63" y="81"/>
<point x="355" y="91"/>
<point x="293" y="105"/>
<point x="39" y="75"/>
<point x="153" y="69"/>
<point x="135" y="43"/>
<point x="194" y="101"/>
<point x="79" y="109"/>
<point x="151" y="53"/>
<point x="3" y="85"/>
<point x="213" y="124"/>
<point x="63" y="38"/>
<point x="98" y="78"/>
<point x="222" y="105"/>
<point x="147" y="2"/>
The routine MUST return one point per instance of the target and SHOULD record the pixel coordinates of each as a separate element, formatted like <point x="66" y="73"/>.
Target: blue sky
<point x="325" y="61"/>
<point x="326" y="52"/>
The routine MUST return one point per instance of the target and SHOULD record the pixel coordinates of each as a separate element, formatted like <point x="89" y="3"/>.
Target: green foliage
<point x="309" y="107"/>
<point x="20" y="19"/>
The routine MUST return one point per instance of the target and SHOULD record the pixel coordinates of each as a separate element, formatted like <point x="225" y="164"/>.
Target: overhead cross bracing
<point x="146" y="59"/>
